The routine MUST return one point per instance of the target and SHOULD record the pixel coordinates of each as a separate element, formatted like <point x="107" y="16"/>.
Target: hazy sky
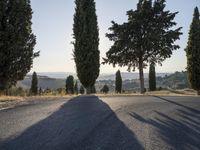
<point x="53" y="20"/>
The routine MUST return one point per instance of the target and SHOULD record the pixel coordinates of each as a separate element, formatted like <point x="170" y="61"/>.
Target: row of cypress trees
<point x="148" y="36"/>
<point x="152" y="80"/>
<point x="71" y="86"/>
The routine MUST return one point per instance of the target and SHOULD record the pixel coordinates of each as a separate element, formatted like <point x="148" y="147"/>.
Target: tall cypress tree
<point x="118" y="82"/>
<point x="193" y="52"/>
<point x="76" y="88"/>
<point x="17" y="41"/>
<point x="152" y="77"/>
<point x="86" y="36"/>
<point x="34" y="84"/>
<point x="70" y="85"/>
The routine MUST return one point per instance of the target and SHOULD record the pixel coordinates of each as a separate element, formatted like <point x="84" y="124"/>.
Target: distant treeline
<point x="177" y="80"/>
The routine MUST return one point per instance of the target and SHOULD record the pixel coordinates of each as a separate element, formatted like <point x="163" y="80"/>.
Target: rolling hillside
<point x="130" y="81"/>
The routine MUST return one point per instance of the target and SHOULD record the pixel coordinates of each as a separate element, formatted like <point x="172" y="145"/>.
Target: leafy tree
<point x="118" y="82"/>
<point x="76" y="88"/>
<point x="34" y="84"/>
<point x="86" y="36"/>
<point x="16" y="41"/>
<point x="70" y="85"/>
<point x="193" y="53"/>
<point x="152" y="77"/>
<point x="147" y="36"/>
<point x="82" y="91"/>
<point x="105" y="89"/>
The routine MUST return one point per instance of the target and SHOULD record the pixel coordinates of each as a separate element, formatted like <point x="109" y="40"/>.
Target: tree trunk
<point x="142" y="90"/>
<point x="89" y="90"/>
<point x="198" y="92"/>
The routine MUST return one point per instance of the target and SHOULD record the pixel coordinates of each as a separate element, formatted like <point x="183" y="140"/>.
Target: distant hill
<point x="125" y="75"/>
<point x="56" y="75"/>
<point x="57" y="80"/>
<point x="43" y="82"/>
<point x="128" y="76"/>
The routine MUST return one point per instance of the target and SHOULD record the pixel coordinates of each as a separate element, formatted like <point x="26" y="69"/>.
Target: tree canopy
<point x="16" y="41"/>
<point x="147" y="36"/>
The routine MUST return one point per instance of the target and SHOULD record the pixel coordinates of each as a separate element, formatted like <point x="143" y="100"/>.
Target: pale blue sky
<point x="53" y="20"/>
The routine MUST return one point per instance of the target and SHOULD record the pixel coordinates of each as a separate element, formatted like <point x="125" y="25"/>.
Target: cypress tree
<point x="193" y="52"/>
<point x="70" y="85"/>
<point x="34" y="84"/>
<point x="86" y="36"/>
<point x="17" y="41"/>
<point x="105" y="89"/>
<point x="76" y="88"/>
<point x="40" y="91"/>
<point x="118" y="82"/>
<point x="152" y="77"/>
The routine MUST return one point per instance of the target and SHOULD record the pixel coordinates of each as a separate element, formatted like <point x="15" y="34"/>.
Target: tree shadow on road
<point x="181" y="132"/>
<point x="178" y="104"/>
<point x="83" y="123"/>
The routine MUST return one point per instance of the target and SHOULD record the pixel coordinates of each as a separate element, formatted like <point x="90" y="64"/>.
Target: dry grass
<point x="58" y="97"/>
<point x="155" y="93"/>
<point x="11" y="98"/>
<point x="30" y="98"/>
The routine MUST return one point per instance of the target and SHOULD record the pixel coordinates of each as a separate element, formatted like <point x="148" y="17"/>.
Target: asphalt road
<point x="107" y="123"/>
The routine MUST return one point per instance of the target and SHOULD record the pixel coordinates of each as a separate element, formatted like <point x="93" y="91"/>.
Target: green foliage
<point x="16" y="41"/>
<point x="40" y="91"/>
<point x="193" y="52"/>
<point x="34" y="84"/>
<point x="82" y="91"/>
<point x="86" y="36"/>
<point x="17" y="91"/>
<point x="70" y="85"/>
<point x="76" y="88"/>
<point x="152" y="78"/>
<point x="118" y="82"/>
<point x="147" y="36"/>
<point x="178" y="80"/>
<point x="105" y="89"/>
<point x="60" y="91"/>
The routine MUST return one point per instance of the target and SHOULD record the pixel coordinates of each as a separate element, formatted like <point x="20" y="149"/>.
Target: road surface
<point x="103" y="123"/>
